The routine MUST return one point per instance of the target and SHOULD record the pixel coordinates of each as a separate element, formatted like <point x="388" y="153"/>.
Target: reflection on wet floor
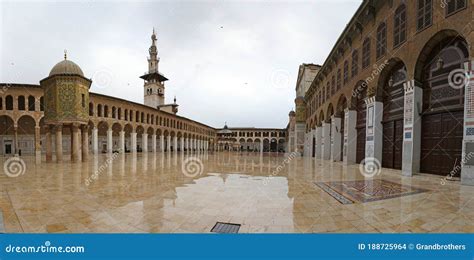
<point x="192" y="192"/>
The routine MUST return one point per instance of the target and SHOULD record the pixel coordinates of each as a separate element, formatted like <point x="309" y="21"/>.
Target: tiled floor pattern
<point x="265" y="194"/>
<point x="361" y="191"/>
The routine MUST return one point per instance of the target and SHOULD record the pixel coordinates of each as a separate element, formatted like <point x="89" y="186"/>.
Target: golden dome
<point x="66" y="67"/>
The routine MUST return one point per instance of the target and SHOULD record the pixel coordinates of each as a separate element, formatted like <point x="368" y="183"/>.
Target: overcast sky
<point x="234" y="61"/>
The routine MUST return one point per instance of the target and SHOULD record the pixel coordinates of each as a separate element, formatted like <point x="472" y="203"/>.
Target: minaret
<point x="154" y="88"/>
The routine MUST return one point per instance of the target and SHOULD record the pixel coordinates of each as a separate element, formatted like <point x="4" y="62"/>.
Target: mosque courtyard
<point x="191" y="192"/>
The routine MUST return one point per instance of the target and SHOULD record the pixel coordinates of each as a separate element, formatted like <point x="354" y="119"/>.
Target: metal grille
<point x="220" y="227"/>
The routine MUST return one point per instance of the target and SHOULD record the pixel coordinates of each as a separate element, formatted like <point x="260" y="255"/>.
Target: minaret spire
<point x="153" y="60"/>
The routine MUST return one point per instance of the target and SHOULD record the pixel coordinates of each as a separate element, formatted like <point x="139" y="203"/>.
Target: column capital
<point x="58" y="127"/>
<point x="409" y="85"/>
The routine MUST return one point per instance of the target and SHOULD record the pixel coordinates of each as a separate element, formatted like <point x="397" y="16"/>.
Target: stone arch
<point x="321" y="117"/>
<point x="359" y="91"/>
<point x="21" y="103"/>
<point x="329" y="112"/>
<point x="7" y="125"/>
<point x="341" y="106"/>
<point x="385" y="75"/>
<point x="428" y="48"/>
<point x="442" y="118"/>
<point x="31" y="103"/>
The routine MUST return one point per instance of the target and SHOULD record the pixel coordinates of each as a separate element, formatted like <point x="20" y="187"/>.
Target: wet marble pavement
<point x="189" y="193"/>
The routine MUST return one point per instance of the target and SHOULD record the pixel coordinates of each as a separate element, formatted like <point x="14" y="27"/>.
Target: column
<point x="335" y="138"/>
<point x="467" y="166"/>
<point x="182" y="143"/>
<point x="412" y="128"/>
<point x="95" y="140"/>
<point x="122" y="141"/>
<point x="153" y="142"/>
<point x="85" y="143"/>
<point x="145" y="142"/>
<point x="109" y="140"/>
<point x="168" y="143"/>
<point x="350" y="137"/>
<point x="162" y="143"/>
<point x="175" y="143"/>
<point x="15" y="139"/>
<point x="133" y="144"/>
<point x="319" y="136"/>
<point x="49" y="143"/>
<point x="326" y="142"/>
<point x="37" y="144"/>
<point x="374" y="130"/>
<point x="187" y="144"/>
<point x="75" y="143"/>
<point x="59" y="143"/>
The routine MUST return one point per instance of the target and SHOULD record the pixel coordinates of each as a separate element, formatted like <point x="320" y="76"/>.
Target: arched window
<point x="452" y="6"/>
<point x="333" y="85"/>
<point x="126" y="114"/>
<point x="339" y="79"/>
<point x="355" y="63"/>
<point x="137" y="116"/>
<point x="424" y="14"/>
<point x="366" y="53"/>
<point x="119" y="113"/>
<point x="21" y="103"/>
<point x="1" y="103"/>
<point x="328" y="91"/>
<point x="142" y="118"/>
<point x="91" y="109"/>
<point x="381" y="40"/>
<point x="31" y="103"/>
<point x="114" y="112"/>
<point x="99" y="110"/>
<point x="41" y="104"/>
<point x="9" y="103"/>
<point x="400" y="26"/>
<point x="106" y="111"/>
<point x="346" y="71"/>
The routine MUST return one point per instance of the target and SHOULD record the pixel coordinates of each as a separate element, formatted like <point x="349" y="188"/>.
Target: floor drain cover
<point x="220" y="227"/>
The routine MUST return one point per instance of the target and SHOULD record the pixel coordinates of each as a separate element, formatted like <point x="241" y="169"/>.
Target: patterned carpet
<point x="361" y="191"/>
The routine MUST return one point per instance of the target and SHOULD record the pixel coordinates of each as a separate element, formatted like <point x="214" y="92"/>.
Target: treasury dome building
<point x="61" y="117"/>
<point x="397" y="87"/>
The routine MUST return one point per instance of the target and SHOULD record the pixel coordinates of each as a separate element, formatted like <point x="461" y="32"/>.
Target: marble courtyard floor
<point x="150" y="193"/>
